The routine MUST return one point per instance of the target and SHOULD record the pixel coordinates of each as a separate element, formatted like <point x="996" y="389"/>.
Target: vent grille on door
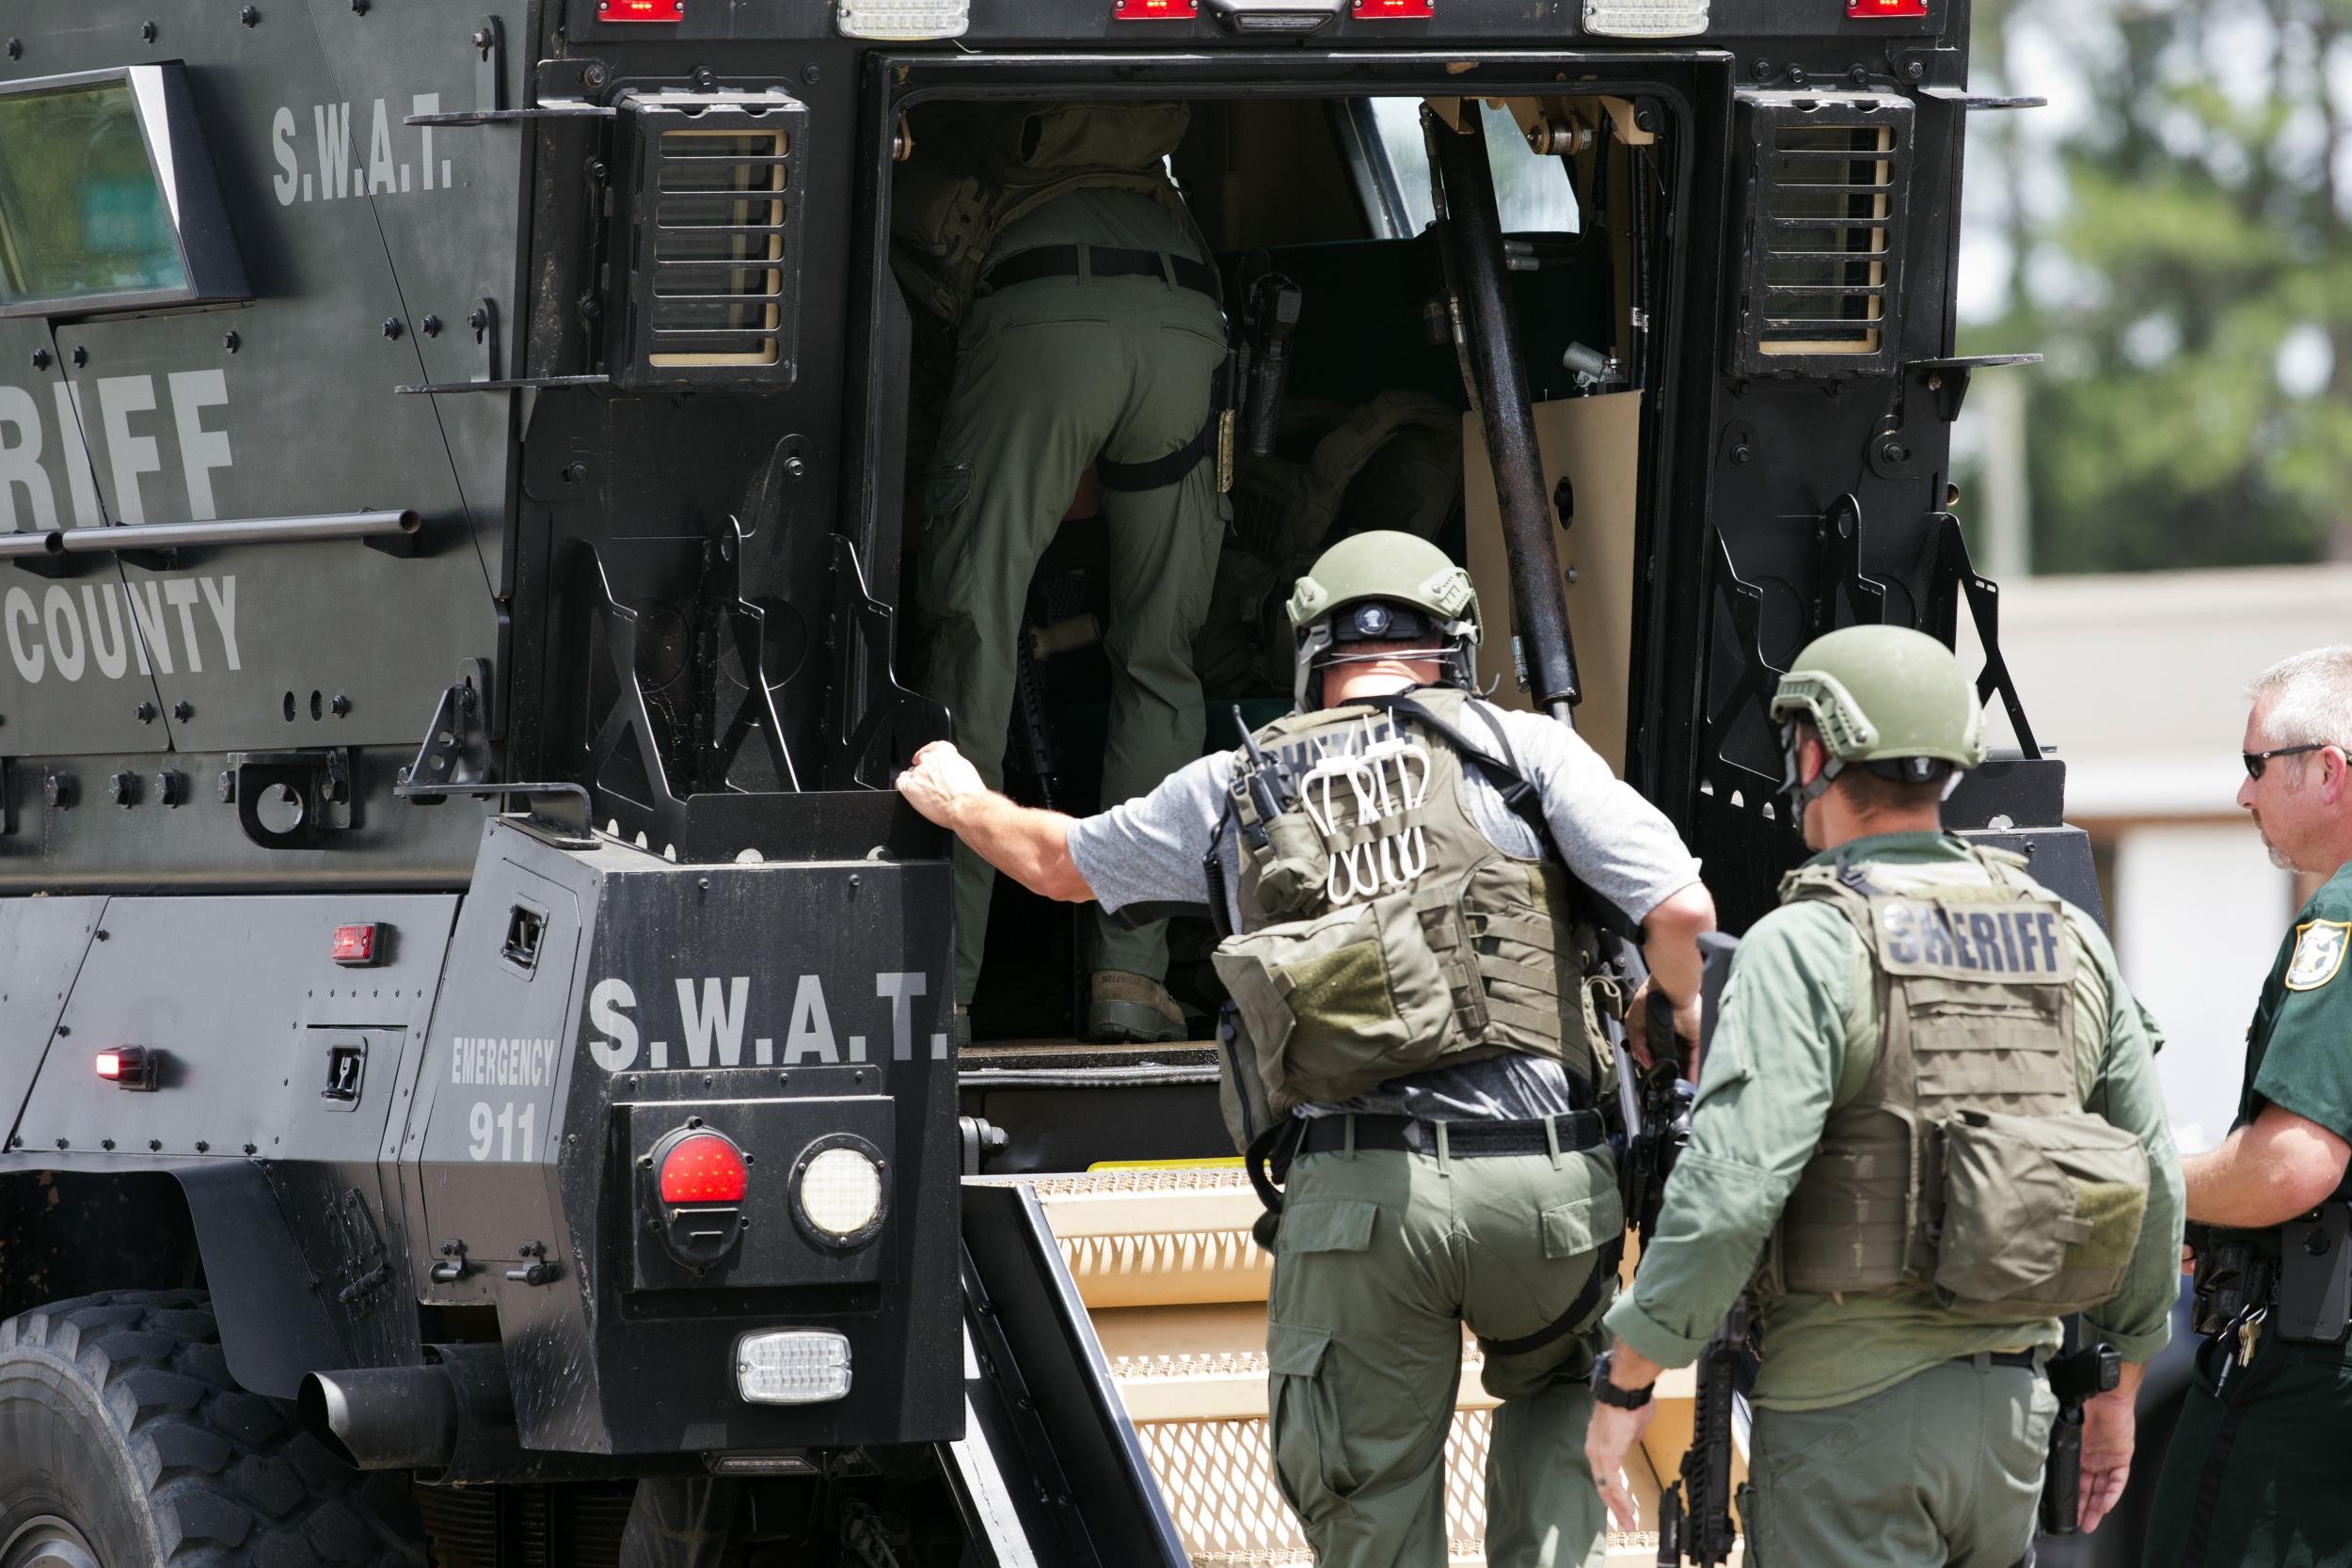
<point x="715" y="264"/>
<point x="1828" y="183"/>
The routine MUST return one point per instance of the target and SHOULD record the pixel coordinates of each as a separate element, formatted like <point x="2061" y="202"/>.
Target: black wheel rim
<point x="47" y="1542"/>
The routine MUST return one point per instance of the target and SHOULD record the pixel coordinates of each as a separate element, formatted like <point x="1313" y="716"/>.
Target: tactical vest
<point x="1966" y="1164"/>
<point x="978" y="167"/>
<point x="1382" y="933"/>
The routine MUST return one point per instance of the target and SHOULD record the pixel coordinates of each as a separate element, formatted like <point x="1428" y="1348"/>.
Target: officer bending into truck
<point x="1930" y="1106"/>
<point x="1398" y="865"/>
<point x="2255" y="1473"/>
<point x="1089" y="334"/>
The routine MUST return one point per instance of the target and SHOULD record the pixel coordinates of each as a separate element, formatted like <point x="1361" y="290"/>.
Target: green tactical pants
<point x="1381" y="1257"/>
<point x="2255" y="1477"/>
<point x="1943" y="1469"/>
<point x="1049" y="375"/>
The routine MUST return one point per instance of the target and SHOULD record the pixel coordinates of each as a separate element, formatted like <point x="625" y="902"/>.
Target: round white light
<point x="841" y="1192"/>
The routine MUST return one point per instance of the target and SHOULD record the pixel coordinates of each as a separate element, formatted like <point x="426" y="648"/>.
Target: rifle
<point x="1694" y="1512"/>
<point x="1037" y="728"/>
<point x="2075" y="1379"/>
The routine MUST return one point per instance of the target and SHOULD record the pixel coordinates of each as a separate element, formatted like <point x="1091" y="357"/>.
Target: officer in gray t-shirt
<point x="1150" y="851"/>
<point x="1474" y="1186"/>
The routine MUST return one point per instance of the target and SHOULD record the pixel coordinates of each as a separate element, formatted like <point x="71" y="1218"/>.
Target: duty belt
<point x="1099" y="261"/>
<point x="1568" y="1133"/>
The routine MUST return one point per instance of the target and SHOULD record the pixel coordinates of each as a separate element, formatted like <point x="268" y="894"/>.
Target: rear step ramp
<point x="1174" y="1290"/>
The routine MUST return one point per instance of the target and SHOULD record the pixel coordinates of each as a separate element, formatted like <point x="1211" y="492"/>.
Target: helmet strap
<point x="1800" y="793"/>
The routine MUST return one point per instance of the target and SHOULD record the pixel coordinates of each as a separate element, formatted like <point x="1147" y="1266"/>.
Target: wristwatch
<point x="1609" y="1393"/>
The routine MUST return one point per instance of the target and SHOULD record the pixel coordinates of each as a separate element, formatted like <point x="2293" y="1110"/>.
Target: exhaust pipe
<point x="453" y="1417"/>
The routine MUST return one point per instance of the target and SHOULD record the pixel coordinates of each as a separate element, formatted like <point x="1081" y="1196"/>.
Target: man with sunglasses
<point x="2255" y="1473"/>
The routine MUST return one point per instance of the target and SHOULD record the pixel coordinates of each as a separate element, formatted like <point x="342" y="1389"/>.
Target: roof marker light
<point x="1644" y="19"/>
<point x="903" y="21"/>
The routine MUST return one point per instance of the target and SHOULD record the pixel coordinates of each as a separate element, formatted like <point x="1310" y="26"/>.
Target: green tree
<point x="2193" y="288"/>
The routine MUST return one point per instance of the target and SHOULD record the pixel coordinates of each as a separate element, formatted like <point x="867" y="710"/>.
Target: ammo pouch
<point x="1340" y="1003"/>
<point x="2040" y="1214"/>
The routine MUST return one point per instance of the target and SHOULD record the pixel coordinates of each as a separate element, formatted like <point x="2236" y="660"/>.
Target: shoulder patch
<point x="2319" y="946"/>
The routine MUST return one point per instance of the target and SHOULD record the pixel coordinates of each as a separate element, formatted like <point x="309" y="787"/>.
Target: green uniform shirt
<point x="1797" y="1034"/>
<point x="2298" y="1049"/>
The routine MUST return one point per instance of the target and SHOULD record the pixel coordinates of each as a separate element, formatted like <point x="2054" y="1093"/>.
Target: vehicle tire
<point x="124" y="1443"/>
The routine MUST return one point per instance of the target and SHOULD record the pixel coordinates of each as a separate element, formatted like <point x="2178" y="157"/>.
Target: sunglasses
<point x="2257" y="760"/>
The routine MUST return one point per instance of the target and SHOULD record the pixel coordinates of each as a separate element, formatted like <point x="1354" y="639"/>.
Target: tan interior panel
<point x="1594" y="442"/>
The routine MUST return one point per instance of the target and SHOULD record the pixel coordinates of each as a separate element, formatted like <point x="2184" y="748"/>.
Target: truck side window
<point x="1532" y="192"/>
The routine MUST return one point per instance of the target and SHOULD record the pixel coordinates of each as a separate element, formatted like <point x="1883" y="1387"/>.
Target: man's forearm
<point x="1670" y="937"/>
<point x="1031" y="847"/>
<point x="2264" y="1173"/>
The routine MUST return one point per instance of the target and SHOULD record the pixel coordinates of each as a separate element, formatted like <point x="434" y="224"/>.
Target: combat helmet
<point x="1382" y="587"/>
<point x="1888" y="698"/>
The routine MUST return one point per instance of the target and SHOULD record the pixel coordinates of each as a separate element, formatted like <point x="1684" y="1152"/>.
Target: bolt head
<point x="122" y="788"/>
<point x="228" y="787"/>
<point x="41" y="358"/>
<point x="812" y="73"/>
<point x="391" y="326"/>
<point x="430" y="326"/>
<point x="231" y="341"/>
<point x="144" y="713"/>
<point x="81" y="357"/>
<point x="1915" y="70"/>
<point x="147" y="31"/>
<point x="482" y="38"/>
<point x="250" y="17"/>
<point x="340" y="705"/>
<point x="16" y="49"/>
<point x="795" y="467"/>
<point x="56" y="791"/>
<point x="183" y="711"/>
<point x="592" y="73"/>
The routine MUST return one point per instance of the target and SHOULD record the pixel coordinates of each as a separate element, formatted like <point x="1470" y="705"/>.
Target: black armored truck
<point x="476" y="1055"/>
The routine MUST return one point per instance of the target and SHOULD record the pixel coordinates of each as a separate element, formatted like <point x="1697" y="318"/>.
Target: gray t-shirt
<point x="1149" y="851"/>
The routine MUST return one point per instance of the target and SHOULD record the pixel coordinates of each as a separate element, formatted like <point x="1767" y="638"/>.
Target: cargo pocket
<point x="2040" y="1214"/>
<point x="1583" y="1225"/>
<point x="1328" y="1224"/>
<point x="946" y="486"/>
<point x="1303" y="1419"/>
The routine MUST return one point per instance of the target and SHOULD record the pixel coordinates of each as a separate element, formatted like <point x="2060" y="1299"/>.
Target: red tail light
<point x="703" y="1167"/>
<point x="110" y="1064"/>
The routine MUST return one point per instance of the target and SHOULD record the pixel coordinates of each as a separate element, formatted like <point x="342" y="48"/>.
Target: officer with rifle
<point x="1927" y="1127"/>
<point x="1402" y="870"/>
<point x="1089" y="337"/>
<point x="2255" y="1473"/>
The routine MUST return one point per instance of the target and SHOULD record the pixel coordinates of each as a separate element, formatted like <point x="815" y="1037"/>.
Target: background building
<point x="2138" y="683"/>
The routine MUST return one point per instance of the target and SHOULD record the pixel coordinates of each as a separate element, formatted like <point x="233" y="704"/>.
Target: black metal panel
<point x="275" y="1322"/>
<point x="763" y="996"/>
<point x="773" y="1133"/>
<point x="1050" y="1392"/>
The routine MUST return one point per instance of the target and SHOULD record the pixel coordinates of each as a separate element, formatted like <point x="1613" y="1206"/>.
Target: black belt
<point x="1101" y="260"/>
<point x="2024" y="1358"/>
<point x="1464" y="1140"/>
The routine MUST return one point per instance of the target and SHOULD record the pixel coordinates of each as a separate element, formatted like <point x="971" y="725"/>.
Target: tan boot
<point x="1130" y="1009"/>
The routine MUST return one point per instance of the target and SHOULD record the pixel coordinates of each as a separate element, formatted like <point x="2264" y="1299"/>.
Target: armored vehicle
<point x="475" y="1040"/>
